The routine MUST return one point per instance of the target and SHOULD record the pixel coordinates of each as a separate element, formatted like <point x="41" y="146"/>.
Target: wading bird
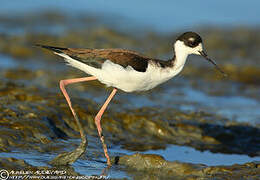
<point x="126" y="70"/>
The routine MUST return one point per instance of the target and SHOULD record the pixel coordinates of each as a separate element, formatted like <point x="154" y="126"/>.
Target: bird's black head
<point x="191" y="43"/>
<point x="190" y="39"/>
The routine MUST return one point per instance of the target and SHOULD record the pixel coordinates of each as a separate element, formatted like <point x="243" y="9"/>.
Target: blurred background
<point x="197" y="117"/>
<point x="166" y="16"/>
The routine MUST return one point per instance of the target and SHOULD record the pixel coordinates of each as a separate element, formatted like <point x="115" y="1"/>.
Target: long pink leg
<point x="63" y="83"/>
<point x="98" y="119"/>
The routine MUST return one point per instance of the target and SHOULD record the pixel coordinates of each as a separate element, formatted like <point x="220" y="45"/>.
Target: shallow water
<point x="233" y="107"/>
<point x="84" y="167"/>
<point x="171" y="153"/>
<point x="7" y="62"/>
<point x="190" y="155"/>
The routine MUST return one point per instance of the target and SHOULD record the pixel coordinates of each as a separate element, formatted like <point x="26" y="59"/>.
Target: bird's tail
<point x="71" y="60"/>
<point x="52" y="48"/>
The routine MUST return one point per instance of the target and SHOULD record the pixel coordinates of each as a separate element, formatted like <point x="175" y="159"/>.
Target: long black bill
<point x="202" y="53"/>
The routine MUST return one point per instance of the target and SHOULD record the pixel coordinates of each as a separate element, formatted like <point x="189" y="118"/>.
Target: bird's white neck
<point x="181" y="54"/>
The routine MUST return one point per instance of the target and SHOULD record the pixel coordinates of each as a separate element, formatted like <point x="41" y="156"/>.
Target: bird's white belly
<point x="126" y="79"/>
<point x="129" y="80"/>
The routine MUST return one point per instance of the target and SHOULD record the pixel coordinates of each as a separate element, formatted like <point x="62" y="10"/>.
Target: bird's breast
<point x="130" y="80"/>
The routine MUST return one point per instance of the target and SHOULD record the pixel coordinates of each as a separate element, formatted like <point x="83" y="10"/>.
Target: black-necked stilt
<point x="126" y="70"/>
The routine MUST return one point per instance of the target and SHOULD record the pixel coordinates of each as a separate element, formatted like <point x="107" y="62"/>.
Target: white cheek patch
<point x="191" y="39"/>
<point x="197" y="49"/>
<point x="182" y="50"/>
